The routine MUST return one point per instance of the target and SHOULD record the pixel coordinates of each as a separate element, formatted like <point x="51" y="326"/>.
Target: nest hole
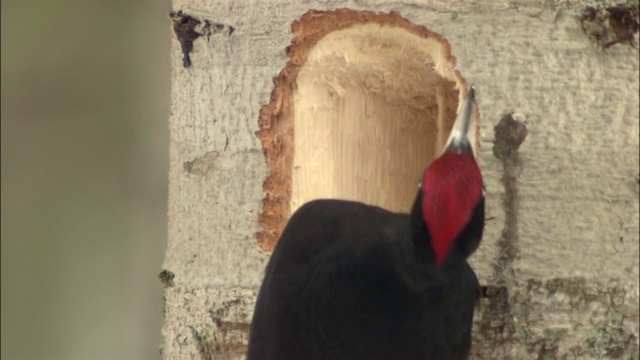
<point x="364" y="104"/>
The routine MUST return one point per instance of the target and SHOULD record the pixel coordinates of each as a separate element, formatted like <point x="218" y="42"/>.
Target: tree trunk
<point x="559" y="258"/>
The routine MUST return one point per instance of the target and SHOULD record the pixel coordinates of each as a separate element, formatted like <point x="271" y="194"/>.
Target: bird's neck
<point x="420" y="238"/>
<point x="461" y="248"/>
<point x="419" y="256"/>
<point x="414" y="257"/>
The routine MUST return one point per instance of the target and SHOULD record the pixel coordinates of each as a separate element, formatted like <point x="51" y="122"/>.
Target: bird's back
<point x="334" y="289"/>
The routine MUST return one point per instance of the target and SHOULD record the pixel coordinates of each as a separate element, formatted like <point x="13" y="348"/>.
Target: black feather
<point x="352" y="281"/>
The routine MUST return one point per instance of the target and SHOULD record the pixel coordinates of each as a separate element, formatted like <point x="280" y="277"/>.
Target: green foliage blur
<point x="85" y="106"/>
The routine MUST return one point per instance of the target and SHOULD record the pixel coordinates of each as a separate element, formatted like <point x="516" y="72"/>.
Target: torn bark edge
<point x="275" y="118"/>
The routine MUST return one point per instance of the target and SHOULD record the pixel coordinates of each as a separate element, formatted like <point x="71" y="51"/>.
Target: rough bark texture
<point x="562" y="234"/>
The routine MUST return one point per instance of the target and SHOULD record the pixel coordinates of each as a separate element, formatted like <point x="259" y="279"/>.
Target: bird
<point x="347" y="280"/>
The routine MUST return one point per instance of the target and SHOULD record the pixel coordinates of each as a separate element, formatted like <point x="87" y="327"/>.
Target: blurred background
<point x="85" y="106"/>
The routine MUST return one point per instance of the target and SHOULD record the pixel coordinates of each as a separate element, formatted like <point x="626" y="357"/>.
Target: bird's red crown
<point x="452" y="187"/>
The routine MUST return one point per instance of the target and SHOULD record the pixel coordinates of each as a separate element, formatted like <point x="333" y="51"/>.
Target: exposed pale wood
<point x="366" y="116"/>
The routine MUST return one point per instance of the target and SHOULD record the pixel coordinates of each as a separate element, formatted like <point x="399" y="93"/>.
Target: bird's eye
<point x="419" y="184"/>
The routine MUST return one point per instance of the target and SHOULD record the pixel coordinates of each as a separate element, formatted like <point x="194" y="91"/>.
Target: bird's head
<point x="451" y="199"/>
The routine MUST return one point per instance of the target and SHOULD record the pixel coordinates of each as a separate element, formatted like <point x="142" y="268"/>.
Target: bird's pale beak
<point x="460" y="140"/>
